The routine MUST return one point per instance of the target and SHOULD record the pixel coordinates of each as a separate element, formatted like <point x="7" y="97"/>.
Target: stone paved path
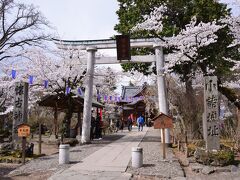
<point x="110" y="162"/>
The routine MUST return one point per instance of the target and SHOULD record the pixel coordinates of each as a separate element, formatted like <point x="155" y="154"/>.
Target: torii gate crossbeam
<point x="104" y="43"/>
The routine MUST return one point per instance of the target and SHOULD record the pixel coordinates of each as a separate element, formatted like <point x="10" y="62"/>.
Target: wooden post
<point x="238" y="129"/>
<point x="23" y="149"/>
<point x="186" y="144"/>
<point x="164" y="150"/>
<point x="79" y="123"/>
<point x="162" y="122"/>
<point x="178" y="145"/>
<point x="56" y="120"/>
<point x="40" y="138"/>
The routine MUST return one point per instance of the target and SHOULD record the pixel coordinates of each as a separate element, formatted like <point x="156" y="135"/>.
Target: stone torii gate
<point x="91" y="46"/>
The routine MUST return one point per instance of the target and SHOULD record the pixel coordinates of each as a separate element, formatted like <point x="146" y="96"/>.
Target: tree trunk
<point x="39" y="136"/>
<point x="67" y="119"/>
<point x="56" y="121"/>
<point x="238" y="129"/>
<point x="190" y="97"/>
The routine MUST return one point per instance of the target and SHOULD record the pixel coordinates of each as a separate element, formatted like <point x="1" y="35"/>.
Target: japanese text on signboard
<point x="20" y="103"/>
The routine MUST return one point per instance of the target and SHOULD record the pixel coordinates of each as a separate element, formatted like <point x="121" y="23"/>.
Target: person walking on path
<point x="93" y="127"/>
<point x="122" y="125"/>
<point x="129" y="123"/>
<point x="117" y="125"/>
<point x="140" y="122"/>
<point x="98" y="130"/>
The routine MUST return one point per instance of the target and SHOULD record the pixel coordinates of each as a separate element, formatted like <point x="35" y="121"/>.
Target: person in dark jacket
<point x="122" y="125"/>
<point x="98" y="130"/>
<point x="129" y="123"/>
<point x="93" y="127"/>
<point x="117" y="125"/>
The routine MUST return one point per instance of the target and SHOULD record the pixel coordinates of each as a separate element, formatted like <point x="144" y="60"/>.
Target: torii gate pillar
<point x="162" y="94"/>
<point x="88" y="95"/>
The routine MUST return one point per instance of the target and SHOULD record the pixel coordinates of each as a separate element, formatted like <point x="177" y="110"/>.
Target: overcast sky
<point x="85" y="19"/>
<point x="80" y="19"/>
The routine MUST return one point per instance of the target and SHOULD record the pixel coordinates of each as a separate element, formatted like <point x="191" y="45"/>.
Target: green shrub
<point x="222" y="158"/>
<point x="191" y="149"/>
<point x="218" y="158"/>
<point x="16" y="153"/>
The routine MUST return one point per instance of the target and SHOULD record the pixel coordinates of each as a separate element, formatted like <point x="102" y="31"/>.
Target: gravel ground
<point x="154" y="167"/>
<point x="5" y="168"/>
<point x="47" y="165"/>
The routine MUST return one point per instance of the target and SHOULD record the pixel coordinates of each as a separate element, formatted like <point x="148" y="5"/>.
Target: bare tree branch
<point x="21" y="26"/>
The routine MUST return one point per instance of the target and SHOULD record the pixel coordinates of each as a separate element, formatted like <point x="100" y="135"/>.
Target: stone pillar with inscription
<point x="211" y="113"/>
<point x="20" y="111"/>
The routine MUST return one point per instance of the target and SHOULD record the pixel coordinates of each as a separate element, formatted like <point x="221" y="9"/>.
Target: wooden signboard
<point x="162" y="121"/>
<point x="123" y="47"/>
<point x="23" y="130"/>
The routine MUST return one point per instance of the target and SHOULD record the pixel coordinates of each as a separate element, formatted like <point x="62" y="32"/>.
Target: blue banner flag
<point x="105" y="98"/>
<point x="14" y="73"/>
<point x="30" y="79"/>
<point x="68" y="90"/>
<point x="80" y="91"/>
<point x="45" y="83"/>
<point x="98" y="97"/>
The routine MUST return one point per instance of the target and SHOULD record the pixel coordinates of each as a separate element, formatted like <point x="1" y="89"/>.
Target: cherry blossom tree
<point x="238" y="1"/>
<point x="62" y="72"/>
<point x="189" y="44"/>
<point x="59" y="77"/>
<point x="199" y="48"/>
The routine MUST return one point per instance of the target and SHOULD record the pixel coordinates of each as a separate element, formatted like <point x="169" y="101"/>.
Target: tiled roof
<point x="130" y="91"/>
